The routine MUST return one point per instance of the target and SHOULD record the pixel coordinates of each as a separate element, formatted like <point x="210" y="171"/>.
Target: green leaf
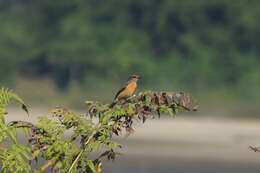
<point x="91" y="166"/>
<point x="7" y="95"/>
<point x="12" y="134"/>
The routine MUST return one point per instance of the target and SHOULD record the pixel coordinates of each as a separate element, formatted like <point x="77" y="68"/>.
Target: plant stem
<point x="83" y="150"/>
<point x="48" y="164"/>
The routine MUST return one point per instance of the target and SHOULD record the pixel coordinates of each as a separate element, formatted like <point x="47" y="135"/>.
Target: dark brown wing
<point x="115" y="99"/>
<point x="122" y="89"/>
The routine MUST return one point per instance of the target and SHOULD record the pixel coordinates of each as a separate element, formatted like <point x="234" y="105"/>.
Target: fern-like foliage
<point x="14" y="156"/>
<point x="68" y="142"/>
<point x="6" y="96"/>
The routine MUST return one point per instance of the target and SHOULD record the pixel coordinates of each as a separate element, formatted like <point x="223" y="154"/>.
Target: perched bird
<point x="127" y="91"/>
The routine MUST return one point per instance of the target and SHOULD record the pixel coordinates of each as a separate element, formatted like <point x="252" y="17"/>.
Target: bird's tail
<point x="113" y="103"/>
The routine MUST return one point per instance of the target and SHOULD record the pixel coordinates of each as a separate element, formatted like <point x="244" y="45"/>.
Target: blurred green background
<point x="65" y="52"/>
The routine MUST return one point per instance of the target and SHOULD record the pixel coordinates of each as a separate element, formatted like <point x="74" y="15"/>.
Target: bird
<point x="127" y="90"/>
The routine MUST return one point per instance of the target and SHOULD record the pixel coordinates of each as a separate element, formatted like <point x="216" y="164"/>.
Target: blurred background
<point x="65" y="52"/>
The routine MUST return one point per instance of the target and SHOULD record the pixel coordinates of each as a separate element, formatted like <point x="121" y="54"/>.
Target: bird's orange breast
<point x="128" y="91"/>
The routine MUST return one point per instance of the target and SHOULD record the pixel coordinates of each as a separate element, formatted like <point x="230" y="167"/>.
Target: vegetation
<point x="68" y="142"/>
<point x="209" y="44"/>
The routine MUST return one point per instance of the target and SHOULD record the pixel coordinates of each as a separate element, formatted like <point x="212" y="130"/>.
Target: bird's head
<point x="134" y="77"/>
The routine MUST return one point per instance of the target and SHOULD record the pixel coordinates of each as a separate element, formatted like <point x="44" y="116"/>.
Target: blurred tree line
<point x="198" y="44"/>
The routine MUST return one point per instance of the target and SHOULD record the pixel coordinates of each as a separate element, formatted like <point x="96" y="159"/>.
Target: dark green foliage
<point x="70" y="142"/>
<point x="193" y="43"/>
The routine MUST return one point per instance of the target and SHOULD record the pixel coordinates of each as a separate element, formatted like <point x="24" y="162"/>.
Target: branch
<point x="255" y="149"/>
<point x="83" y="150"/>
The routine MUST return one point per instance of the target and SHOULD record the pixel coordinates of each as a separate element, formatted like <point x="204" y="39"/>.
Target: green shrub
<point x="71" y="142"/>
